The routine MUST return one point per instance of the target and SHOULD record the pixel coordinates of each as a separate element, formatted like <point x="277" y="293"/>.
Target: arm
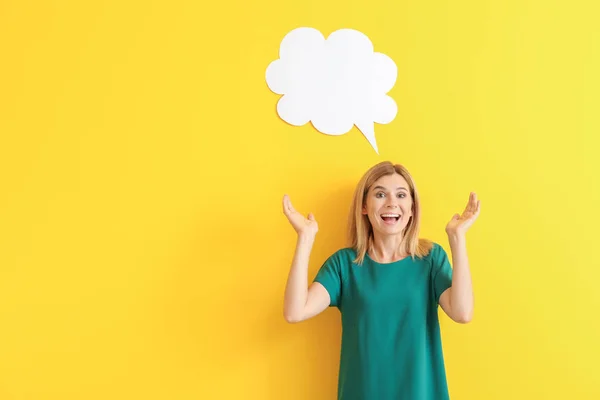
<point x="457" y="301"/>
<point x="300" y="301"/>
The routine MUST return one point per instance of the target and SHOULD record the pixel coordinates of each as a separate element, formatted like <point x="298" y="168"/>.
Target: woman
<point x="387" y="285"/>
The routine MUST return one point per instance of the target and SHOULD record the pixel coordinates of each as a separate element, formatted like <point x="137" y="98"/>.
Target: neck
<point x="386" y="249"/>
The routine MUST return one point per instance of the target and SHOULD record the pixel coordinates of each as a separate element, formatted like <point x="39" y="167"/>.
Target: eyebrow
<point x="382" y="188"/>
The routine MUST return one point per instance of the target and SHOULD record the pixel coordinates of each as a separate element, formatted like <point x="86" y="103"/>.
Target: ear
<point x="364" y="210"/>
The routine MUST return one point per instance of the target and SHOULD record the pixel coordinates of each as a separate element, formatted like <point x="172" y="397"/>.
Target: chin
<point x="391" y="231"/>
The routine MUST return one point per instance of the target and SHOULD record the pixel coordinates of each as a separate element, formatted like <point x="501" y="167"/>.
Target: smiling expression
<point x="388" y="204"/>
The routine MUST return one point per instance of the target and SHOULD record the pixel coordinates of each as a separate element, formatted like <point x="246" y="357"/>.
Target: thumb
<point x="311" y="217"/>
<point x="456" y="216"/>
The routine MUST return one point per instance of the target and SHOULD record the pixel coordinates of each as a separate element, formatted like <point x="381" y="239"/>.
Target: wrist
<point x="456" y="237"/>
<point x="306" y="238"/>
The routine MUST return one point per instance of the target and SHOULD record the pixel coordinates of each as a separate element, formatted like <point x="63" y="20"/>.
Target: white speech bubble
<point x="334" y="83"/>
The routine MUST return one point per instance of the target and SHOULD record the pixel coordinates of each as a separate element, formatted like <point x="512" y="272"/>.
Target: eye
<point x="379" y="195"/>
<point x="401" y="195"/>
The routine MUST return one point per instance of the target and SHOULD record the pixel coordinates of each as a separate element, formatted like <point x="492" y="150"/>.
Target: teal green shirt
<point x="391" y="343"/>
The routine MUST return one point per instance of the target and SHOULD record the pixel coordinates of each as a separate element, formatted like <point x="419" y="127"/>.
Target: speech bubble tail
<point x="368" y="129"/>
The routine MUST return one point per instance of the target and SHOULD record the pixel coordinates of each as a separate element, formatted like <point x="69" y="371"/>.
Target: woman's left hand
<point x="459" y="224"/>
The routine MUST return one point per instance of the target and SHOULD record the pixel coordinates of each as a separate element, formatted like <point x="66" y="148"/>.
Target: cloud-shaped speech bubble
<point x="334" y="83"/>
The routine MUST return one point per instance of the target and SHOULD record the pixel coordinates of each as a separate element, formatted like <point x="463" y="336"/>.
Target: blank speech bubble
<point x="334" y="83"/>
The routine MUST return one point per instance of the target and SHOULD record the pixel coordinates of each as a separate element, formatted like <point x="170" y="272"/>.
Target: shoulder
<point x="336" y="266"/>
<point x="436" y="249"/>
<point x="343" y="256"/>
<point x="431" y="251"/>
<point x="340" y="260"/>
<point x="438" y="258"/>
<point x="426" y="249"/>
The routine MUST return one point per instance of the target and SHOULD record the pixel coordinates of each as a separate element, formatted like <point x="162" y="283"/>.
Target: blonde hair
<point x="360" y="231"/>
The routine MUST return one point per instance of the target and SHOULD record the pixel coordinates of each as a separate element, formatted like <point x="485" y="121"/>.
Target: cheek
<point x="368" y="207"/>
<point x="409" y="209"/>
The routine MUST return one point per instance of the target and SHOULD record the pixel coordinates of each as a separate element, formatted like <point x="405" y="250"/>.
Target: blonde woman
<point x="387" y="285"/>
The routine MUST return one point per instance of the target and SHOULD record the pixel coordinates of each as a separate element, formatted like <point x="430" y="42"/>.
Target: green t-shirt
<point x="391" y="343"/>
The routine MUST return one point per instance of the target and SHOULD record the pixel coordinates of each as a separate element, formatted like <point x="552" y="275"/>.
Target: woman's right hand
<point x="302" y="225"/>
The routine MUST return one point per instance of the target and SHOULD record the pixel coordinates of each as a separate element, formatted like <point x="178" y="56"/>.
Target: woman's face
<point x="388" y="204"/>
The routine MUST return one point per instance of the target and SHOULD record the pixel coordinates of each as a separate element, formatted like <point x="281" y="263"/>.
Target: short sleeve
<point x="441" y="271"/>
<point x="329" y="275"/>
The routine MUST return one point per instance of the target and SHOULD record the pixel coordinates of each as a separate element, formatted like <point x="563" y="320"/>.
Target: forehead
<point x="391" y="182"/>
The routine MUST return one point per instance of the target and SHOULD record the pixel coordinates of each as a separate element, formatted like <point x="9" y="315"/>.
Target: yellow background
<point x="143" y="252"/>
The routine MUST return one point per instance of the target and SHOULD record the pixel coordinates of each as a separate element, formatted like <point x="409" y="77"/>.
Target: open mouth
<point x="390" y="219"/>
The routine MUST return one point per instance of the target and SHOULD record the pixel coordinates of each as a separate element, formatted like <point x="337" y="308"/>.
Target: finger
<point x="467" y="207"/>
<point x="288" y="204"/>
<point x="311" y="217"/>
<point x="284" y="203"/>
<point x="475" y="214"/>
<point x="473" y="202"/>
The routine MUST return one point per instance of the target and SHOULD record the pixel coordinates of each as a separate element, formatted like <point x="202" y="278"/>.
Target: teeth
<point x="390" y="215"/>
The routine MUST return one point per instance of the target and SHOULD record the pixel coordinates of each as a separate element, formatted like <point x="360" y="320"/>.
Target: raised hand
<point x="301" y="224"/>
<point x="459" y="224"/>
